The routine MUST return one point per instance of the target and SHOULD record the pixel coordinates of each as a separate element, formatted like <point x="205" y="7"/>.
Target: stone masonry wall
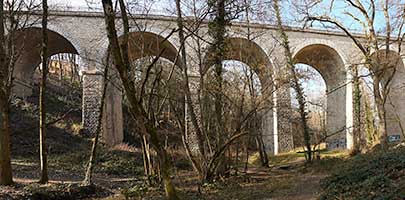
<point x="92" y="92"/>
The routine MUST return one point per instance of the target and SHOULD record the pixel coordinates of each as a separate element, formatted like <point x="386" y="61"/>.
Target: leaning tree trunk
<point x="164" y="162"/>
<point x="147" y="163"/>
<point x="120" y="58"/>
<point x="198" y="163"/>
<point x="42" y="89"/>
<point x="92" y="161"/>
<point x="262" y="151"/>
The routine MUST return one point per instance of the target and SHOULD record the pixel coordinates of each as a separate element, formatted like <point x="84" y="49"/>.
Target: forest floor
<point x="288" y="178"/>
<point x="118" y="173"/>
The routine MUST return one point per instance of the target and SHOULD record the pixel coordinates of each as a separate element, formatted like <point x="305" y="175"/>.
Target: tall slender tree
<point x="375" y="47"/>
<point x="189" y="108"/>
<point x="290" y="64"/>
<point x="6" y="177"/>
<point x="119" y="52"/>
<point x="217" y="30"/>
<point x="42" y="89"/>
<point x="255" y="121"/>
<point x="201" y="109"/>
<point x="356" y="111"/>
<point x="92" y="160"/>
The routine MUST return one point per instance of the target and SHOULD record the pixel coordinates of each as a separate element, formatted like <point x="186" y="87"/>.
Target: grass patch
<point x="279" y="159"/>
<point x="110" y="162"/>
<point x="245" y="189"/>
<point x="285" y="158"/>
<point x="328" y="157"/>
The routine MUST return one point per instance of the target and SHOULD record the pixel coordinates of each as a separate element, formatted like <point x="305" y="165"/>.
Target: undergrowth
<point x="376" y="175"/>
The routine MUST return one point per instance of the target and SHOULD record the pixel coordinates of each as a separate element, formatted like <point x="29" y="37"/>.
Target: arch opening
<point x="28" y="47"/>
<point x="330" y="66"/>
<point x="243" y="98"/>
<point x="163" y="97"/>
<point x="142" y="44"/>
<point x="314" y="86"/>
<point x="249" y="53"/>
<point x="245" y="57"/>
<point x="143" y="48"/>
<point x="63" y="96"/>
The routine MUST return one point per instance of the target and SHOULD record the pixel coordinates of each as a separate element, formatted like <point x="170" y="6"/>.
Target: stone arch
<point x="74" y="42"/>
<point x="28" y="46"/>
<point x="60" y="30"/>
<point x="326" y="60"/>
<point x="249" y="53"/>
<point x="394" y="62"/>
<point x="330" y="64"/>
<point x="328" y="43"/>
<point x="275" y="129"/>
<point x="141" y="44"/>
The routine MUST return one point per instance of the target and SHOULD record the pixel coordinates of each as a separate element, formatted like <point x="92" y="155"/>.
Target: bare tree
<point x="211" y="99"/>
<point x="92" y="160"/>
<point x="12" y="20"/>
<point x="42" y="111"/>
<point x="253" y="96"/>
<point x="6" y="177"/>
<point x="120" y="57"/>
<point x="375" y="47"/>
<point x="294" y="80"/>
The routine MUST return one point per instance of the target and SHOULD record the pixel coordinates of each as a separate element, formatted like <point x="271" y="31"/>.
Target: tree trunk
<point x="147" y="127"/>
<point x="42" y="112"/>
<point x="146" y="160"/>
<point x="357" y="114"/>
<point x="217" y="30"/>
<point x="164" y="161"/>
<point x="189" y="109"/>
<point x="6" y="177"/>
<point x="262" y="151"/>
<point x="247" y="154"/>
<point x="382" y="126"/>
<point x="60" y="70"/>
<point x="369" y="123"/>
<point x="295" y="81"/>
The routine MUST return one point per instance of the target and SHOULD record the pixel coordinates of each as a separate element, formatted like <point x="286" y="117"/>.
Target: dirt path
<point x="302" y="187"/>
<point x="258" y="184"/>
<point x="285" y="184"/>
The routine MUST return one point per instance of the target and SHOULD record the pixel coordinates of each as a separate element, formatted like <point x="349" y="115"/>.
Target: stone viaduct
<point x="330" y="53"/>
